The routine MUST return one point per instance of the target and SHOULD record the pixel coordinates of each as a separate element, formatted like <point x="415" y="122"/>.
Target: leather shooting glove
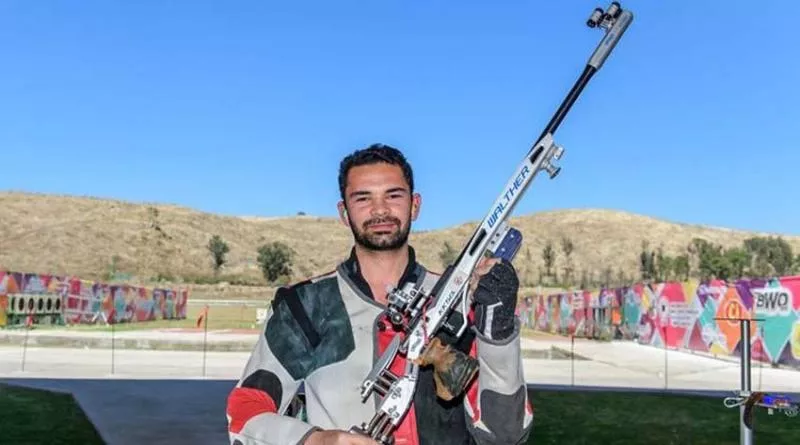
<point x="495" y="299"/>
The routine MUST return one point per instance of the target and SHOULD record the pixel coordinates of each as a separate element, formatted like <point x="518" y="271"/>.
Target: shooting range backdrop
<point x="30" y="298"/>
<point x="682" y="316"/>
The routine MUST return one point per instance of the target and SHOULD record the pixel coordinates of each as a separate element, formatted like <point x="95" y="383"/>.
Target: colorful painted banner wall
<point x="685" y="315"/>
<point x="82" y="301"/>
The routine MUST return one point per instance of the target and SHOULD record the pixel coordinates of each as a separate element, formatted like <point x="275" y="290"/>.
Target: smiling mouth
<point x="382" y="227"/>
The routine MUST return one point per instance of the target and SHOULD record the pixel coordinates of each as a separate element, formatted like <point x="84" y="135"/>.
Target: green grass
<point x="219" y="317"/>
<point x="577" y="418"/>
<point x="33" y="416"/>
<point x="30" y="416"/>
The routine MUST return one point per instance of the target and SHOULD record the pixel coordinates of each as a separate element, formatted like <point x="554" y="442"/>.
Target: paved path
<point x="609" y="364"/>
<point x="628" y="364"/>
<point x="149" y="412"/>
<point x="166" y="338"/>
<point x="137" y="396"/>
<point x="119" y="364"/>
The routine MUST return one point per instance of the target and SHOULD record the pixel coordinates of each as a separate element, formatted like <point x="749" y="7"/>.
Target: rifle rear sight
<point x="403" y="303"/>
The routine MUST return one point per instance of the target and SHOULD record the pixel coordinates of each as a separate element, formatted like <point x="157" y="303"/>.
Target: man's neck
<point x="382" y="268"/>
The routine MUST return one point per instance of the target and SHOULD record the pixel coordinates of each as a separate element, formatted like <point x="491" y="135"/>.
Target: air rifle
<point x="771" y="402"/>
<point x="418" y="315"/>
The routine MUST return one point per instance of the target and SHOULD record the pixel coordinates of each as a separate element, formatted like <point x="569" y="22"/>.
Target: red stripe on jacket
<point x="406" y="432"/>
<point x="246" y="403"/>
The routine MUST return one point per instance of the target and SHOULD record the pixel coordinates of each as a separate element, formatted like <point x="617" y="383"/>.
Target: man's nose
<point x="379" y="207"/>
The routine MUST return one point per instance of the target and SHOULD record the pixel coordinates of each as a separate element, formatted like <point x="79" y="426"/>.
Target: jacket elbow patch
<point x="504" y="416"/>
<point x="266" y="381"/>
<point x="260" y="393"/>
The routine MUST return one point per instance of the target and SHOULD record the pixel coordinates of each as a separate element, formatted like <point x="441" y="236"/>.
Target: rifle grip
<point x="452" y="369"/>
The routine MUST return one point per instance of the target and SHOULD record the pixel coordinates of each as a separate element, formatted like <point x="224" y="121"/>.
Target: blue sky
<point x="246" y="108"/>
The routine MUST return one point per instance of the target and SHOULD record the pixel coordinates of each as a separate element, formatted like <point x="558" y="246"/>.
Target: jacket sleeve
<point x="257" y="405"/>
<point x="497" y="407"/>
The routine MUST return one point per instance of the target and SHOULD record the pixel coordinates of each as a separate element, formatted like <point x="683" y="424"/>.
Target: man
<point x="326" y="333"/>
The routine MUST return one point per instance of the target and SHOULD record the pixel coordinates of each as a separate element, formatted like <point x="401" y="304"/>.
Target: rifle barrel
<point x="562" y="111"/>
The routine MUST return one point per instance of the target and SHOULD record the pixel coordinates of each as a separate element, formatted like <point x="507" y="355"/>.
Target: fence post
<point x="666" y="359"/>
<point x="205" y="338"/>
<point x="572" y="358"/>
<point x="28" y="325"/>
<point x="112" y="346"/>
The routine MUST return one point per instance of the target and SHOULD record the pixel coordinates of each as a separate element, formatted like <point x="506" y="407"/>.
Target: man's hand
<point x="494" y="286"/>
<point x="337" y="437"/>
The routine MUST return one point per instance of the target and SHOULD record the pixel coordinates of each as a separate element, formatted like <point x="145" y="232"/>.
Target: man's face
<point x="379" y="206"/>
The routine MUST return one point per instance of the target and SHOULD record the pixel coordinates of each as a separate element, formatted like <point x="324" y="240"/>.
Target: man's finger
<point x="363" y="441"/>
<point x="486" y="264"/>
<point x="483" y="267"/>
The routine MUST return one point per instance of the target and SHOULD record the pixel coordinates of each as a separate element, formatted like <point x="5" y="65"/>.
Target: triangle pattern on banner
<point x="787" y="358"/>
<point x="758" y="352"/>
<point x="696" y="341"/>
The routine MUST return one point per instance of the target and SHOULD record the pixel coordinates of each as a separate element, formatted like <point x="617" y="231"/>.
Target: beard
<point x="381" y="241"/>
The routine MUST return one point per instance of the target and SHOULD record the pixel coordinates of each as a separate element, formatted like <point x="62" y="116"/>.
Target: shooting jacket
<point x="326" y="333"/>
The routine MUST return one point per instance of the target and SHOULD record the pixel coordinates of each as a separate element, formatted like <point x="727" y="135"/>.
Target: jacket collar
<point x="353" y="270"/>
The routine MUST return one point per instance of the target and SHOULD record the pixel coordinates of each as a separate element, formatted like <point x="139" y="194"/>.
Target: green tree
<point x="584" y="284"/>
<point x="275" y="260"/>
<point x="549" y="257"/>
<point x="713" y="263"/>
<point x="647" y="262"/>
<point x="773" y="255"/>
<point x="693" y="249"/>
<point x="738" y="260"/>
<point x="705" y="255"/>
<point x="681" y="267"/>
<point x="607" y="273"/>
<point x="567" y="246"/>
<point x="725" y="264"/>
<point x="447" y="255"/>
<point x="666" y="267"/>
<point x="527" y="269"/>
<point x="760" y="267"/>
<point x="218" y="249"/>
<point x="113" y="269"/>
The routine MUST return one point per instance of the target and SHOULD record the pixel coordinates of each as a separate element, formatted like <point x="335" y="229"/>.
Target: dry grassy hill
<point x="80" y="236"/>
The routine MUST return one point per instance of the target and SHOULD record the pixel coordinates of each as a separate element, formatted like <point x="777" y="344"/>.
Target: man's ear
<point x="343" y="213"/>
<point x="416" y="202"/>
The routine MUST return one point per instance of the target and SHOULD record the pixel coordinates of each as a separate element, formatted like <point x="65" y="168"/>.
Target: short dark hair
<point x="374" y="154"/>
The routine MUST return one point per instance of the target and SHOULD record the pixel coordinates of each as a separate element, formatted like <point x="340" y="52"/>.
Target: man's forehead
<point x="376" y="176"/>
